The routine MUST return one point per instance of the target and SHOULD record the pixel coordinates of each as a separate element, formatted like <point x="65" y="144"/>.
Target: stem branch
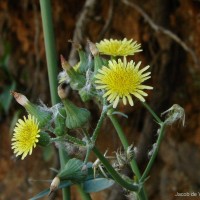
<point x="152" y="112"/>
<point x="114" y="174"/>
<point x="155" y="152"/>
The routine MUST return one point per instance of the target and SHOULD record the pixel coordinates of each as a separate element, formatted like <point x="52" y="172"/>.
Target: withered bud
<point x="54" y="184"/>
<point x="93" y="48"/>
<point x="175" y="113"/>
<point x="65" y="65"/>
<point x="20" y="98"/>
<point x="76" y="45"/>
<point x="62" y="91"/>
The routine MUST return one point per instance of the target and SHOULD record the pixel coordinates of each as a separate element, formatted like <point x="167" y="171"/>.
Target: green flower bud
<point x="43" y="116"/>
<point x="83" y="61"/>
<point x="44" y="139"/>
<point x="76" y="80"/>
<point x="74" y="170"/>
<point x="75" y="117"/>
<point x="85" y="94"/>
<point x="98" y="63"/>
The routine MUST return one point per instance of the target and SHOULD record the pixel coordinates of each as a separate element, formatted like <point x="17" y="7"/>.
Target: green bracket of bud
<point x="98" y="63"/>
<point x="44" y="139"/>
<point x="83" y="61"/>
<point x="42" y="116"/>
<point x="60" y="127"/>
<point x="74" y="170"/>
<point x="77" y="80"/>
<point x="86" y="94"/>
<point x="76" y="117"/>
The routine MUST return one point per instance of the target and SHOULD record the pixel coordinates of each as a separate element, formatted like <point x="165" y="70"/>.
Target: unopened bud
<point x="73" y="170"/>
<point x="174" y="114"/>
<point x="43" y="116"/>
<point x="54" y="184"/>
<point x="65" y="65"/>
<point x="75" y="117"/>
<point x="44" y="139"/>
<point x="20" y="98"/>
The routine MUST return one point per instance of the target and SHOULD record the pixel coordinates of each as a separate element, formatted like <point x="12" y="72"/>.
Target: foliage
<point x="7" y="80"/>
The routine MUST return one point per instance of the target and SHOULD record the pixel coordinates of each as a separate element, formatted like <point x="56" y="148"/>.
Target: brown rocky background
<point x="169" y="31"/>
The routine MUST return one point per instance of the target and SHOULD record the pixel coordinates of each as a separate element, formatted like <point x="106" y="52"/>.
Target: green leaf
<point x="97" y="184"/>
<point x="5" y="57"/>
<point x="120" y="113"/>
<point x="5" y="97"/>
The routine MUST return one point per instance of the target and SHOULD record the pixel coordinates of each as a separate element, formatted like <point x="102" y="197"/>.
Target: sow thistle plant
<point x="106" y="76"/>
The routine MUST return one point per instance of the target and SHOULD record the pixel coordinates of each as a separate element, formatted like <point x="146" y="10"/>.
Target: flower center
<point x="122" y="80"/>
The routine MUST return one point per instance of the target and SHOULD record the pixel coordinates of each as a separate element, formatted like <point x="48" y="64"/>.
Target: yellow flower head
<point x="118" y="47"/>
<point x="121" y="80"/>
<point x="25" y="137"/>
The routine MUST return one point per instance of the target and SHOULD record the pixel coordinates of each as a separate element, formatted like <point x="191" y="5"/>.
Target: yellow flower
<point x="121" y="80"/>
<point x="25" y="137"/>
<point x="118" y="47"/>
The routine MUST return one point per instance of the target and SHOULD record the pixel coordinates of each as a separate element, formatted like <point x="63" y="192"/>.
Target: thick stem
<point x="52" y="67"/>
<point x="50" y="48"/>
<point x="155" y="152"/>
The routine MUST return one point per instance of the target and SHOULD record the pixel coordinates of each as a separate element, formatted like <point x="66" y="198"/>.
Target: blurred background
<point x="169" y="31"/>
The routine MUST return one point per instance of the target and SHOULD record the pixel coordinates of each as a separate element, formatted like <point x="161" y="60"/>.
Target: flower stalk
<point x="155" y="152"/>
<point x="152" y="112"/>
<point x="51" y="57"/>
<point x="98" y="126"/>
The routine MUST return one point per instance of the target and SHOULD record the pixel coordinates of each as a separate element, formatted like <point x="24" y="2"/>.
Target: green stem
<point x="70" y="139"/>
<point x="50" y="48"/>
<point x="89" y="145"/>
<point x="114" y="174"/>
<point x="84" y="195"/>
<point x="98" y="126"/>
<point x="155" y="152"/>
<point x="152" y="112"/>
<point x="87" y="155"/>
<point x="52" y="66"/>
